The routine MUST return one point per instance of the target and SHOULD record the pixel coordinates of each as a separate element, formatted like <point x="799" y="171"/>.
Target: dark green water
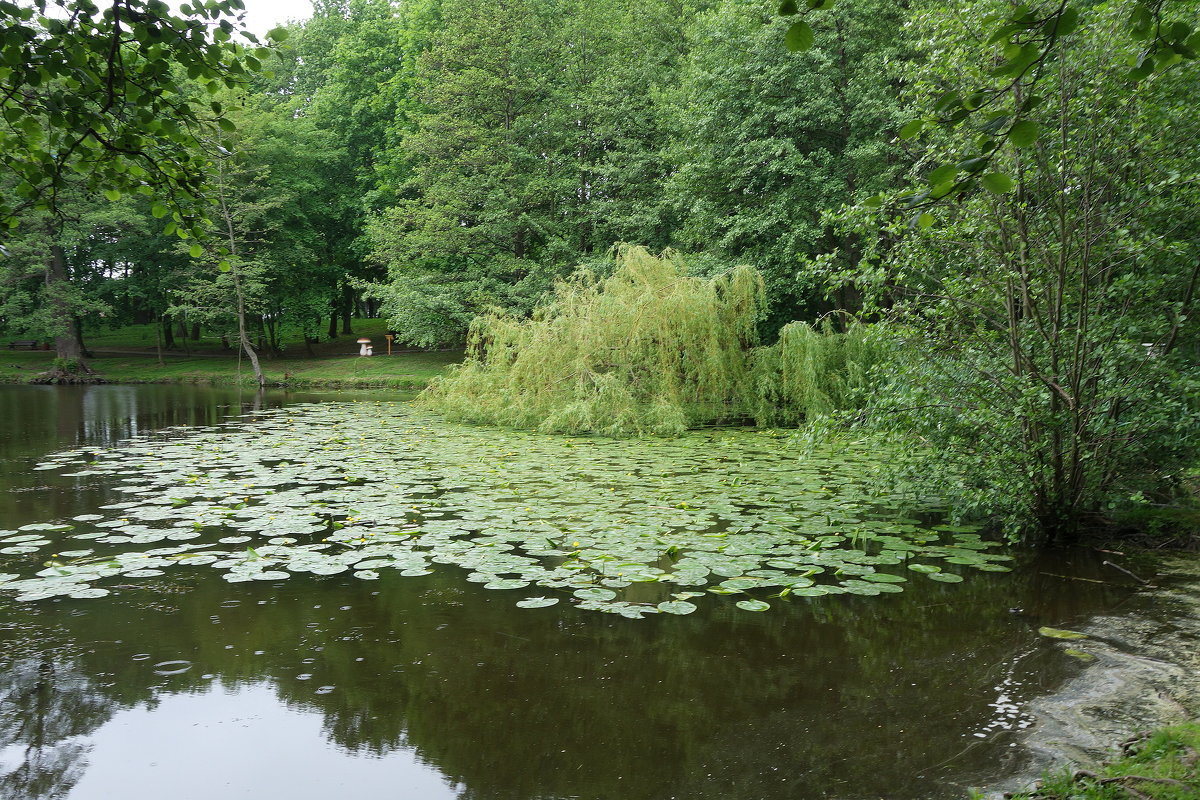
<point x="193" y="688"/>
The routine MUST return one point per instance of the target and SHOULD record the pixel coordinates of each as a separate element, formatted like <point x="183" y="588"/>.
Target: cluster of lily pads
<point x="626" y="527"/>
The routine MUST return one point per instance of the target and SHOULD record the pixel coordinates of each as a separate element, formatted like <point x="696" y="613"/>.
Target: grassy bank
<point x="1164" y="765"/>
<point x="131" y="355"/>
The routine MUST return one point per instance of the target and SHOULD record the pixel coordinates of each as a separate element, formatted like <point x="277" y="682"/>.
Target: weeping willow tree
<point x="814" y="371"/>
<point x="653" y="350"/>
<point x="649" y="349"/>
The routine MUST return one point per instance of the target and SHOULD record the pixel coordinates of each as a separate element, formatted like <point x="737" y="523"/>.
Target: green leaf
<point x="973" y="164"/>
<point x="997" y="182"/>
<point x="947" y="101"/>
<point x="1003" y="32"/>
<point x="1068" y="21"/>
<point x="788" y="7"/>
<point x="942" y="174"/>
<point x="799" y="37"/>
<point x="224" y="266"/>
<point x="113" y="194"/>
<point x="537" y="602"/>
<point x="1059" y="633"/>
<point x="159" y="210"/>
<point x="676" y="607"/>
<point x="226" y="124"/>
<point x="1141" y="72"/>
<point x="277" y="34"/>
<point x="595" y="594"/>
<point x="196" y="251"/>
<point x="1024" y="133"/>
<point x="925" y="221"/>
<point x="911" y="129"/>
<point x="752" y="605"/>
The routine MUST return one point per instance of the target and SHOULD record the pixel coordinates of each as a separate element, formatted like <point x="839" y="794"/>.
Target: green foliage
<point x="534" y="139"/>
<point x="651" y="349"/>
<point x="766" y="140"/>
<point x="113" y="97"/>
<point x="647" y="350"/>
<point x="1025" y="39"/>
<point x="1047" y="329"/>
<point x="813" y="371"/>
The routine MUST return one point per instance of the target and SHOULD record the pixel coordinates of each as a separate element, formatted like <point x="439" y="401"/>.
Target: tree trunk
<point x="79" y="338"/>
<point x="347" y="309"/>
<point x="168" y="332"/>
<point x="243" y="337"/>
<point x="195" y="337"/>
<point x="66" y="343"/>
<point x="69" y="364"/>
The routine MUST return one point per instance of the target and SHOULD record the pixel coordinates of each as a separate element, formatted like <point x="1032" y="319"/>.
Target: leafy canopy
<point x="120" y="96"/>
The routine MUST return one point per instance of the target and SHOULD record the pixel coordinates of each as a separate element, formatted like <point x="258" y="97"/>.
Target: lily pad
<point x="537" y="602"/>
<point x="1059" y="633"/>
<point x="268" y="495"/>
<point x="679" y="607"/>
<point x="509" y="583"/>
<point x="753" y="605"/>
<point x="595" y="594"/>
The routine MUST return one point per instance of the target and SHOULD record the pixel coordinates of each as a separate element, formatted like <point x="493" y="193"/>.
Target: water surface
<point x="191" y="687"/>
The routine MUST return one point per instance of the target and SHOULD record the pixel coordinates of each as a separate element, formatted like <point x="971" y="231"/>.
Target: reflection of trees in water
<point x="522" y="704"/>
<point x="35" y="420"/>
<point x="47" y="707"/>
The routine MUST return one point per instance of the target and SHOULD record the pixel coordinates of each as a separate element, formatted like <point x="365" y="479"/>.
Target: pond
<point x="223" y="594"/>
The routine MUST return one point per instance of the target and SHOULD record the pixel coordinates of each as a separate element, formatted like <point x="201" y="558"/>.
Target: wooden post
<point x="390" y="338"/>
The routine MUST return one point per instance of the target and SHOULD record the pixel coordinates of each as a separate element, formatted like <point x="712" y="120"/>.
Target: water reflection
<point x="35" y="420"/>
<point x="185" y="686"/>
<point x="47" y="709"/>
<point x="856" y="698"/>
<point x="233" y="743"/>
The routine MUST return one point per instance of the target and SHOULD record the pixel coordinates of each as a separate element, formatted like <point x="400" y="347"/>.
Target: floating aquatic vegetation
<point x="1058" y="633"/>
<point x="625" y="527"/>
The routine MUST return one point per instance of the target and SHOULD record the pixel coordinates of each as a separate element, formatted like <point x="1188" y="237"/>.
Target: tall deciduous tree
<point x="1050" y="311"/>
<point x="769" y="139"/>
<point x="542" y="142"/>
<point x="490" y="180"/>
<point x="269" y="267"/>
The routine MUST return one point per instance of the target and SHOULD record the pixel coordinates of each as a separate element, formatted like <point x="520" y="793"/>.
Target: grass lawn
<point x="129" y="355"/>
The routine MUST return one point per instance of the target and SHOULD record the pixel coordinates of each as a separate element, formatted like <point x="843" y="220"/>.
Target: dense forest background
<point x="434" y="160"/>
<point x="1005" y="194"/>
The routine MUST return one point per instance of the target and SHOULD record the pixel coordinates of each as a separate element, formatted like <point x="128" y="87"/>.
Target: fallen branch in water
<point x="1127" y="572"/>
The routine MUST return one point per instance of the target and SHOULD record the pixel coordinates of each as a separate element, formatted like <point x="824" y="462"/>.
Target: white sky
<point x="263" y="15"/>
